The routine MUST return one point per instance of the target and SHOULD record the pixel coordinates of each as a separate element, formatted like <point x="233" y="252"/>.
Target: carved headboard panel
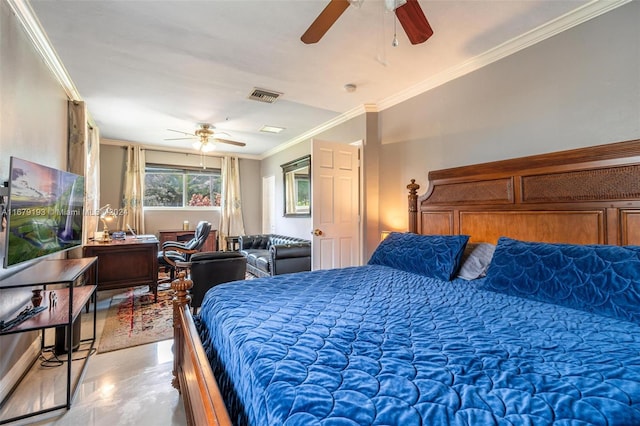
<point x="582" y="196"/>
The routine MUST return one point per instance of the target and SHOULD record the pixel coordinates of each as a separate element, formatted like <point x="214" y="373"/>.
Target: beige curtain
<point x="84" y="159"/>
<point x="231" y="223"/>
<point x="132" y="194"/>
<point x="92" y="181"/>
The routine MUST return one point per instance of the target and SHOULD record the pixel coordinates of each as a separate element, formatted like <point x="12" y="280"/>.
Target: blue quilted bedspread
<point x="377" y="346"/>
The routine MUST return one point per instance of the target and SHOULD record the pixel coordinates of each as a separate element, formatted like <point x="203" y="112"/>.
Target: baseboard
<point x="9" y="380"/>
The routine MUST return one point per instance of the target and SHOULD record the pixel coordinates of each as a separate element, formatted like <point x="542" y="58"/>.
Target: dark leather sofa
<point x="272" y="254"/>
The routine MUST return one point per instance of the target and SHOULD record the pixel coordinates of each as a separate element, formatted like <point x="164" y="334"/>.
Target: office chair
<point x="175" y="251"/>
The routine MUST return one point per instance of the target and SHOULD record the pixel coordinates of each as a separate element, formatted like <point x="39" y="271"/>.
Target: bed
<point x="543" y="329"/>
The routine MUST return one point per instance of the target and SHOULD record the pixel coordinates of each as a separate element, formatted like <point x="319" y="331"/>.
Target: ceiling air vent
<point x="262" y="95"/>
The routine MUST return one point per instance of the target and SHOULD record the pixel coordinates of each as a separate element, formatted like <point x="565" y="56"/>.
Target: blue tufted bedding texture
<point x="374" y="345"/>
<point x="602" y="279"/>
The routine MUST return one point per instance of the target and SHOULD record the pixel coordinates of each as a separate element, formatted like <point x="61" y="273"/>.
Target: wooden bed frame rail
<point x="192" y="374"/>
<point x="582" y="196"/>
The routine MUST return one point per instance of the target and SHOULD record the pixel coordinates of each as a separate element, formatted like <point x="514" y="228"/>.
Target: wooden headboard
<point x="581" y="196"/>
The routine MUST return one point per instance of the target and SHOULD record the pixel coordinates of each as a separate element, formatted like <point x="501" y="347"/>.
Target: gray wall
<point x="33" y="126"/>
<point x="579" y="88"/>
<point x="112" y="168"/>
<point x="251" y="190"/>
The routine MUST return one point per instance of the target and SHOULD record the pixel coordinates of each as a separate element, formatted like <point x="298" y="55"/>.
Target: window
<point x="179" y="187"/>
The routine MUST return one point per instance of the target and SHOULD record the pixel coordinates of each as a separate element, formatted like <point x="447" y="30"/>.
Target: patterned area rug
<point x="134" y="319"/>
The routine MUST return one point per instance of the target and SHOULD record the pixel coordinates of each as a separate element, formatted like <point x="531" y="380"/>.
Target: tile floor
<point x="126" y="387"/>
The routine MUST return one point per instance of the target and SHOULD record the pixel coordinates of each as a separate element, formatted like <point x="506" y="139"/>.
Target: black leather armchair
<point x="209" y="269"/>
<point x="174" y="251"/>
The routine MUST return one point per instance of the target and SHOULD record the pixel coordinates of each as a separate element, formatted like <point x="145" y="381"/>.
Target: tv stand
<point x="68" y="277"/>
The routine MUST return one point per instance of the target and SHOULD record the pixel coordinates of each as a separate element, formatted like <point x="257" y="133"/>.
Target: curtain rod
<point x="175" y="152"/>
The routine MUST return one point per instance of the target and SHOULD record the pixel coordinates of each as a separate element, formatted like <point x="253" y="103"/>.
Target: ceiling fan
<point x="408" y="12"/>
<point x="206" y="138"/>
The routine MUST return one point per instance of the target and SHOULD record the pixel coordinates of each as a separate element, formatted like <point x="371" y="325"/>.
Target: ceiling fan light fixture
<point x="204" y="146"/>
<point x="392" y="5"/>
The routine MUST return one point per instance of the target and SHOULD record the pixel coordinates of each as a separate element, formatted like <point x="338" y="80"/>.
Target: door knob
<point x="317" y="232"/>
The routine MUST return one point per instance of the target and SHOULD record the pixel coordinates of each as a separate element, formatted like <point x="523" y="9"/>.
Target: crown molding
<point x="562" y="23"/>
<point x="25" y="14"/>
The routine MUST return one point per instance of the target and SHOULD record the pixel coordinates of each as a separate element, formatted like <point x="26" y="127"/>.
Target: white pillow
<point x="475" y="260"/>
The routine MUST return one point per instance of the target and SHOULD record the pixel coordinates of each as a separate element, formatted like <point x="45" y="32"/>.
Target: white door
<point x="335" y="206"/>
<point x="268" y="205"/>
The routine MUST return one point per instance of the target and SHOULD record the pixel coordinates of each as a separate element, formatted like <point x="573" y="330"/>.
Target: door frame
<point x="269" y="204"/>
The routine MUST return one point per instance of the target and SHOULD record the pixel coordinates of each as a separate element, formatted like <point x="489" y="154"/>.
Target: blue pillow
<point x="600" y="279"/>
<point x="436" y="256"/>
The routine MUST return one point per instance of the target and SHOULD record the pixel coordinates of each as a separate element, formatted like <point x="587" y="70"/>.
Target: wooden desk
<point x="182" y="236"/>
<point x="126" y="263"/>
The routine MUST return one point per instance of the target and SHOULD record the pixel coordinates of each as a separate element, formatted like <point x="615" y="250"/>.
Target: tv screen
<point x="45" y="211"/>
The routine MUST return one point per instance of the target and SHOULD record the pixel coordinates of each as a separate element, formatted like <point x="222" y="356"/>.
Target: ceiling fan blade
<point x="414" y="22"/>
<point x="180" y="131"/>
<point x="178" y="139"/>
<point x="324" y="21"/>
<point x="230" y="142"/>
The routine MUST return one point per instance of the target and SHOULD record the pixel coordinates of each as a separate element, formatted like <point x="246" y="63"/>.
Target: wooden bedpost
<point x="181" y="300"/>
<point x="413" y="206"/>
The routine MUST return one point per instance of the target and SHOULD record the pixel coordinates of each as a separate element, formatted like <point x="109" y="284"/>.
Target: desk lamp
<point x="107" y="215"/>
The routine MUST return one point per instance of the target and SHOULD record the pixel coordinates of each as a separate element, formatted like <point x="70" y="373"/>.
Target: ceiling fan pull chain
<point x="395" y="43"/>
<point x="202" y="160"/>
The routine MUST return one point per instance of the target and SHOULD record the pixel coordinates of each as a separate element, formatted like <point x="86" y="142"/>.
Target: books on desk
<point x="145" y="237"/>
<point x="141" y="237"/>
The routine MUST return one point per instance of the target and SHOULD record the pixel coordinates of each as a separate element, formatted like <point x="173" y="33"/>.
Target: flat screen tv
<point x="45" y="211"/>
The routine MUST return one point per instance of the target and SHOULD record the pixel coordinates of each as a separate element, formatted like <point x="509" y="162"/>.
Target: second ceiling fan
<point x="203" y="133"/>
<point x="408" y="12"/>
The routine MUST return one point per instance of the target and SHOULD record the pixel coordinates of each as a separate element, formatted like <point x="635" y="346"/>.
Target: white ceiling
<point x="147" y="66"/>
